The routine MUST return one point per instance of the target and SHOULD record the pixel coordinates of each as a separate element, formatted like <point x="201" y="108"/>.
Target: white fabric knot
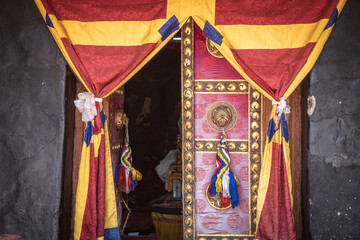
<point x="86" y="105"/>
<point x="282" y="107"/>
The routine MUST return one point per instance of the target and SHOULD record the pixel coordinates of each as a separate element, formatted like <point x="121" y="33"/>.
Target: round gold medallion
<point x="212" y="49"/>
<point x="221" y="116"/>
<point x="215" y="202"/>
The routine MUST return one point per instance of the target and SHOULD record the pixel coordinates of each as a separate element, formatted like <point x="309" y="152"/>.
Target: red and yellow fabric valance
<point x="107" y="42"/>
<point x="272" y="44"/>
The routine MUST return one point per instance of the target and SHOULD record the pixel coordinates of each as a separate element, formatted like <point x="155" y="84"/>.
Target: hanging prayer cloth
<point x="223" y="186"/>
<point x="126" y="176"/>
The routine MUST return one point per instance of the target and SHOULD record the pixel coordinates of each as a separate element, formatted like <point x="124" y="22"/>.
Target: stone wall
<point x="32" y="90"/>
<point x="334" y="134"/>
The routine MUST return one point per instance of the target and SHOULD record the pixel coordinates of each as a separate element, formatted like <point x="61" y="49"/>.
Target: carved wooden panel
<point x="200" y="143"/>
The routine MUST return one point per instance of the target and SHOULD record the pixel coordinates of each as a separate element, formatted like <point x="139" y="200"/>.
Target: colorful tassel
<point x="224" y="183"/>
<point x="126" y="176"/>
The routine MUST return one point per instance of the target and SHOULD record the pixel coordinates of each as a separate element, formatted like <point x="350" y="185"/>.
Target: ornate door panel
<point x="116" y="125"/>
<point x="209" y="84"/>
<point x="117" y="120"/>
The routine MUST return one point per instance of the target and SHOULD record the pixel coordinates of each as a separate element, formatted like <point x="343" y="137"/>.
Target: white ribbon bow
<point x="282" y="107"/>
<point x="86" y="105"/>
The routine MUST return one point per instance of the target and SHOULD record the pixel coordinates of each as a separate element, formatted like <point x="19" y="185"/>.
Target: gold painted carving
<point x="255" y="105"/>
<point x="187" y="41"/>
<point x="255" y="146"/>
<point x="188" y="72"/>
<point x="209" y="87"/>
<point x="188" y="114"/>
<point x="189" y="177"/>
<point x="188" y="125"/>
<point x="188" y="156"/>
<point x="188" y="167"/>
<point x="187" y="85"/>
<point x="188" y="232"/>
<point x="231" y="146"/>
<point x="255" y="135"/>
<point x="188" y="188"/>
<point x="255" y="116"/>
<point x="243" y="147"/>
<point x="120" y="119"/>
<point x="211" y="145"/>
<point x="199" y="86"/>
<point x="256" y="95"/>
<point x="243" y="86"/>
<point x="188" y="135"/>
<point x="231" y="87"/>
<point x="188" y="221"/>
<point x="188" y="93"/>
<point x="187" y="105"/>
<point x="187" y="145"/>
<point x="199" y="146"/>
<point x="188" y="209"/>
<point x="255" y="177"/>
<point x="187" y="52"/>
<point x="210" y="46"/>
<point x="188" y="198"/>
<point x="256" y="158"/>
<point x="221" y="116"/>
<point x="221" y="86"/>
<point x="254" y="125"/>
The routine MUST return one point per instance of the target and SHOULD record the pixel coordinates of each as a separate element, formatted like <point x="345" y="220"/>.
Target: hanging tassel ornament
<point x="126" y="176"/>
<point x="224" y="183"/>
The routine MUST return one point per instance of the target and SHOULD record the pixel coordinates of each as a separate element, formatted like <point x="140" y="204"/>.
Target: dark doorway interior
<point x="153" y="105"/>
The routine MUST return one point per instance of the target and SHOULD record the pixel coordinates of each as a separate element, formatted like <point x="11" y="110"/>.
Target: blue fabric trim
<point x="103" y="118"/>
<point x="212" y="189"/>
<point x="233" y="191"/>
<point x="133" y="183"/>
<point x="89" y="131"/>
<point x="169" y="27"/>
<point x="117" y="173"/>
<point x="272" y="129"/>
<point x="48" y="21"/>
<point x="332" y="19"/>
<point x="111" y="234"/>
<point x="284" y="128"/>
<point x="212" y="33"/>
